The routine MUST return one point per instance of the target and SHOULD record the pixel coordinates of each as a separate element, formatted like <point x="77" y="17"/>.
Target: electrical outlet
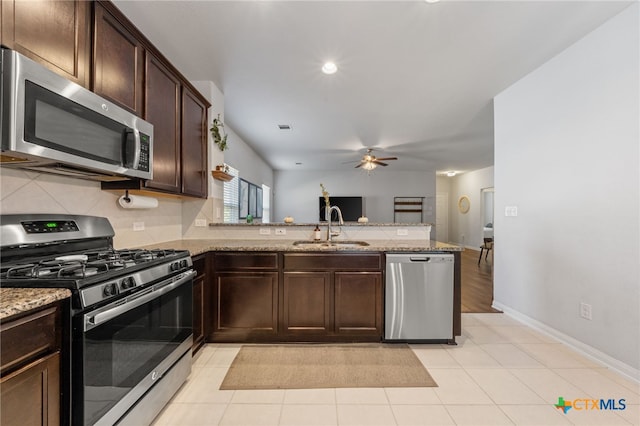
<point x="402" y="232"/>
<point x="138" y="226"/>
<point x="265" y="231"/>
<point x="281" y="231"/>
<point x="511" y="211"/>
<point x="201" y="222"/>
<point x="585" y="311"/>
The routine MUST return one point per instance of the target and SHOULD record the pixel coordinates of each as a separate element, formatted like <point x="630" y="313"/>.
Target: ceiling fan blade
<point x="359" y="164"/>
<point x="387" y="158"/>
<point x="379" y="163"/>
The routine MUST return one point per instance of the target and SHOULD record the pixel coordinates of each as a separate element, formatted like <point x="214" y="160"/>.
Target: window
<point x="250" y="200"/>
<point x="266" y="204"/>
<point x="230" y="197"/>
<point x="241" y="198"/>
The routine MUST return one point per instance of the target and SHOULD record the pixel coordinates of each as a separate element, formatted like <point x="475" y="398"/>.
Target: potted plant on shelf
<point x="218" y="133"/>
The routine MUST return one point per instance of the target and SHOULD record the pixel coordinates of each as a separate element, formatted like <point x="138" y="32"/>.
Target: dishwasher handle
<point x="420" y="259"/>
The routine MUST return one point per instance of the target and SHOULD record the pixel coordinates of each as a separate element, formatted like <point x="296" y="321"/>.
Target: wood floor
<point x="477" y="282"/>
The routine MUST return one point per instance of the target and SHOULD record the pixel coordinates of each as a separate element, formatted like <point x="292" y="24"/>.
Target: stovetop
<point x="101" y="264"/>
<point x="76" y="252"/>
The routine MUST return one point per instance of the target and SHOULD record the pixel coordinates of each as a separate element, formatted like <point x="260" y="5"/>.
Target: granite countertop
<point x="196" y="247"/>
<point x="14" y="301"/>
<point x="303" y="224"/>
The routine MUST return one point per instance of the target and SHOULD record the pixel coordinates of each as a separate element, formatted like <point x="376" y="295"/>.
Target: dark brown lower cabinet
<point x="306" y="297"/>
<point x="358" y="303"/>
<point x="246" y="306"/>
<point x="351" y="299"/>
<point x="306" y="303"/>
<point x="30" y="367"/>
<point x="31" y="395"/>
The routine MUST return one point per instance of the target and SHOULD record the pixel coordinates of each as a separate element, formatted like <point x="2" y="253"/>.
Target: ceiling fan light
<point x="369" y="165"/>
<point x="451" y="174"/>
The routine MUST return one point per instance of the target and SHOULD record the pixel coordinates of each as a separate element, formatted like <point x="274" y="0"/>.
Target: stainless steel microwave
<point x="50" y="124"/>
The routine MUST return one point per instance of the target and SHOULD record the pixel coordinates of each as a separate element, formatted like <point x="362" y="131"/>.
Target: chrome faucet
<point x="330" y="233"/>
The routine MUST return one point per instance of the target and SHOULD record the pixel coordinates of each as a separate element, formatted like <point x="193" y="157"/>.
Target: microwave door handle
<point x="131" y="148"/>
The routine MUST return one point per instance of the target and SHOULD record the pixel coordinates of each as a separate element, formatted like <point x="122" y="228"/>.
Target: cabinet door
<point x="31" y="395"/>
<point x="306" y="303"/>
<point x="358" y="303"/>
<point x="246" y="304"/>
<point x="53" y="33"/>
<point x="118" y="60"/>
<point x="162" y="109"/>
<point x="194" y="145"/>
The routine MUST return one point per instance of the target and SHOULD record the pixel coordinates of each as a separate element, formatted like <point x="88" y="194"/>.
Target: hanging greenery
<point x="218" y="133"/>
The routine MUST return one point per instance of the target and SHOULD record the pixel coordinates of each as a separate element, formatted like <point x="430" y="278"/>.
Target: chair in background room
<point x="487" y="245"/>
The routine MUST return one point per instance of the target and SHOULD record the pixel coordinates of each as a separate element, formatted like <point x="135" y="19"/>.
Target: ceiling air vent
<point x="284" y="127"/>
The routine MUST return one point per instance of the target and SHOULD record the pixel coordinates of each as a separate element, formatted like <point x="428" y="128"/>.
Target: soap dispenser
<point x="316" y="233"/>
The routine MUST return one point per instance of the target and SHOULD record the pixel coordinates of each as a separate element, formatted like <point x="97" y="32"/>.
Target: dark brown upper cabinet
<point x="53" y="33"/>
<point x="162" y="109"/>
<point x="118" y="60"/>
<point x="194" y="151"/>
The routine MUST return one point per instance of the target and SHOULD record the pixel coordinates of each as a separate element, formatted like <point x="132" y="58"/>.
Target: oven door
<point x="123" y="349"/>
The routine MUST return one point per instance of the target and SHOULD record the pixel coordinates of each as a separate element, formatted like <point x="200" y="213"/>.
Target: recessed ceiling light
<point x="329" y="68"/>
<point x="451" y="174"/>
<point x="431" y="1"/>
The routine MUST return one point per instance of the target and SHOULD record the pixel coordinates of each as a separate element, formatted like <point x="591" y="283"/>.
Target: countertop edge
<point x="282" y="224"/>
<point x="15" y="301"/>
<point x="200" y="246"/>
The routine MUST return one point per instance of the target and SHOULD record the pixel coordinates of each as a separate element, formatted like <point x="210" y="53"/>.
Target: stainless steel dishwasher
<point x="419" y="297"/>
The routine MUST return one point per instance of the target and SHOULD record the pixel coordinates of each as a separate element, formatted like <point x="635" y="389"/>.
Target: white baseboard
<point x="584" y="349"/>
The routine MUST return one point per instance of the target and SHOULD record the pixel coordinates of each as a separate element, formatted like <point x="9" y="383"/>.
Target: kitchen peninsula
<point x="272" y="282"/>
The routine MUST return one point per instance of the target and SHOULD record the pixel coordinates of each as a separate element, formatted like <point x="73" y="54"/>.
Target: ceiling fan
<point x="370" y="162"/>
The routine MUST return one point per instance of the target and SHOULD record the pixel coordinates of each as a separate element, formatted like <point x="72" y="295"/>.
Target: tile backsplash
<point x="30" y="192"/>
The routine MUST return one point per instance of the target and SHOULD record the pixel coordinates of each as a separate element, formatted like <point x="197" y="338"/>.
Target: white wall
<point x="250" y="165"/>
<point x="296" y="192"/>
<point x="466" y="228"/>
<point x="443" y="189"/>
<point x="566" y="154"/>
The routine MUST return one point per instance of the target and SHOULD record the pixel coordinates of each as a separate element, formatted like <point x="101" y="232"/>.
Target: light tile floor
<point x="500" y="373"/>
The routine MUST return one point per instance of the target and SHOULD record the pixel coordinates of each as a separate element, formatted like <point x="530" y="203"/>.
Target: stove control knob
<point x="183" y="263"/>
<point x="175" y="266"/>
<point x="128" y="282"/>
<point x="110" y="289"/>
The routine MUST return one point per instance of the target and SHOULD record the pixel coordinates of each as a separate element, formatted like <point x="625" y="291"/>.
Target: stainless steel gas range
<point x="131" y="312"/>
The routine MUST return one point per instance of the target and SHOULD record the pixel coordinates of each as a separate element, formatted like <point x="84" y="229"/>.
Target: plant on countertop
<point x="218" y="133"/>
<point x="325" y="194"/>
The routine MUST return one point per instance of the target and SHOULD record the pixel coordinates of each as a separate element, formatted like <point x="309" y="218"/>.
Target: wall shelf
<point x="220" y="175"/>
<point x="408" y="209"/>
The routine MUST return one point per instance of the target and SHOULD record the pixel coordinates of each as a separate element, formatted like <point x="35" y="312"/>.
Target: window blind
<point x="230" y="197"/>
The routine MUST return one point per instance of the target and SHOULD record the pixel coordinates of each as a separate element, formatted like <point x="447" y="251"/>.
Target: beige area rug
<point x="311" y="366"/>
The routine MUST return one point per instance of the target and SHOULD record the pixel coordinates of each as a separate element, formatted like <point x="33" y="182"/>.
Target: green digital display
<point x="45" y="226"/>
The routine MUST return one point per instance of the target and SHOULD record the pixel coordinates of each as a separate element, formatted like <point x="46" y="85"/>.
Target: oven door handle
<point x="91" y="320"/>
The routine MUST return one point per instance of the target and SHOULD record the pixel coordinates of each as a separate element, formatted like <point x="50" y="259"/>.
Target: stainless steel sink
<point x="326" y="244"/>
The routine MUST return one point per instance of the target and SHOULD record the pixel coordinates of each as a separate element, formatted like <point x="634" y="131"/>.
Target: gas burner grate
<point x="94" y="262"/>
<point x="56" y="269"/>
